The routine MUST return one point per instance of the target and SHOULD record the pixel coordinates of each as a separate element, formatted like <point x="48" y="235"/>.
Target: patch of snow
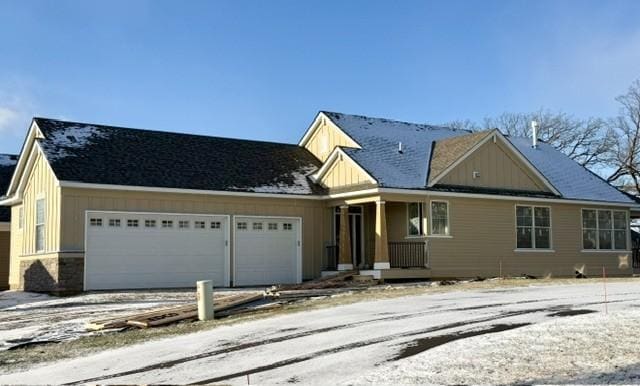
<point x="300" y="184"/>
<point x="8" y="160"/>
<point x="59" y="142"/>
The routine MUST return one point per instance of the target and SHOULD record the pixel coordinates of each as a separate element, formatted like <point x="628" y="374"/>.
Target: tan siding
<point x="483" y="235"/>
<point x="5" y="243"/>
<point x="344" y="173"/>
<point x="40" y="183"/>
<point x="326" y="137"/>
<point x="315" y="228"/>
<point x="498" y="168"/>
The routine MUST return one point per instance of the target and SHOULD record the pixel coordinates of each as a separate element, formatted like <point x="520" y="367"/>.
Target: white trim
<point x="338" y="155"/>
<point x="82" y="185"/>
<point x="422" y="232"/>
<point x="320" y="119"/>
<point x="227" y="272"/>
<point x="382" y="265"/>
<point x="522" y="158"/>
<point x="597" y="229"/>
<point x="439" y="236"/>
<point x="372" y="272"/>
<point x="299" y="242"/>
<point x="345" y="267"/>
<point x="619" y="251"/>
<point x="448" y="234"/>
<point x="32" y="133"/>
<point x="525" y="250"/>
<point x="5" y="227"/>
<point x="533" y="227"/>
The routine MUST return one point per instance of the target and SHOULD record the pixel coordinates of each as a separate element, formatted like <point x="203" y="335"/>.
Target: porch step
<point x="363" y="278"/>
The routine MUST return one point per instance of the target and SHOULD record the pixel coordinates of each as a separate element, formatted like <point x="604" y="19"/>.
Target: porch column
<point x="345" y="263"/>
<point x="381" y="258"/>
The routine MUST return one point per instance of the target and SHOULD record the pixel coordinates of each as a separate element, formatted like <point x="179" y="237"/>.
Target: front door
<point x="356" y="232"/>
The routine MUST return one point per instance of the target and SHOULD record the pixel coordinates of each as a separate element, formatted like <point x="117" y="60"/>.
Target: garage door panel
<point x="152" y="256"/>
<point x="268" y="255"/>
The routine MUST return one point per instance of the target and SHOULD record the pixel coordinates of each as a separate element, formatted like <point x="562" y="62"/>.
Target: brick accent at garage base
<point x="60" y="275"/>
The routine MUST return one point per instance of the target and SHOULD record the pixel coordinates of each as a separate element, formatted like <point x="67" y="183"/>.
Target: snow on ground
<point x="28" y="317"/>
<point x="585" y="349"/>
<point x="346" y="344"/>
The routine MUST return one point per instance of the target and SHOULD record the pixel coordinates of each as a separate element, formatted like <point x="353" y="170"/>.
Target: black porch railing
<point x="330" y="262"/>
<point x="408" y="254"/>
<point x="635" y="253"/>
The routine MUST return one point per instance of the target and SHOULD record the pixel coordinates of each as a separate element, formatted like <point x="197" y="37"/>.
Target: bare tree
<point x="625" y="152"/>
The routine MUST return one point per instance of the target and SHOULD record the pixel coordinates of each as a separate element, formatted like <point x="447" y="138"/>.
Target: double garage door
<point x="152" y="250"/>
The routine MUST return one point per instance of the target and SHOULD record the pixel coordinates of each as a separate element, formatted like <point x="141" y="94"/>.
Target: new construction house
<point x="101" y="207"/>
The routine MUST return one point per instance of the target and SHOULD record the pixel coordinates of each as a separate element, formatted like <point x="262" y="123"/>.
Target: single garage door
<point x="267" y="250"/>
<point x="153" y="250"/>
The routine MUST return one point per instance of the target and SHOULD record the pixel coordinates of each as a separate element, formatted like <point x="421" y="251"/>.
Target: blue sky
<point x="262" y="69"/>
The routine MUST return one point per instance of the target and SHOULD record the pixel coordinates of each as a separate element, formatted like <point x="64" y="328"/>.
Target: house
<point x="7" y="164"/>
<point x="102" y="207"/>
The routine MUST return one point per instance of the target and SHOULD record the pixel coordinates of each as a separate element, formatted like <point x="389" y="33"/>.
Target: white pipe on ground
<point x="204" y="296"/>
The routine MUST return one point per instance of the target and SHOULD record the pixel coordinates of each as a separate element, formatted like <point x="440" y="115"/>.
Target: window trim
<point x="431" y="234"/>
<point x="40" y="224"/>
<point x="533" y="228"/>
<point x="423" y="218"/>
<point x="613" y="229"/>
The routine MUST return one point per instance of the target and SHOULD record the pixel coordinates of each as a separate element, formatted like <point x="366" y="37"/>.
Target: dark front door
<point x="355" y="231"/>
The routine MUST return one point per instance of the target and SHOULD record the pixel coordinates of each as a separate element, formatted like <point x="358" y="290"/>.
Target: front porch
<point x="362" y="242"/>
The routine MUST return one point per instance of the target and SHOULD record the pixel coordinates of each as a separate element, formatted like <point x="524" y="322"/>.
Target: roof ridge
<point x="166" y="132"/>
<point x="395" y="121"/>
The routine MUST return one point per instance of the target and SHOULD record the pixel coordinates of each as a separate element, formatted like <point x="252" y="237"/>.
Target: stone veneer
<point x="53" y="274"/>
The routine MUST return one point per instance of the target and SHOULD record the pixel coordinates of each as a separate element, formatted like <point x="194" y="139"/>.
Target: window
<point x="133" y="223"/>
<point x="40" y="220"/>
<point x="415" y="218"/>
<point x="257" y="226"/>
<point x="242" y="226"/>
<point x="604" y="229"/>
<point x="183" y="224"/>
<point x="533" y="227"/>
<point x="198" y="224"/>
<point x="114" y="222"/>
<point x="167" y="223"/>
<point x="440" y="218"/>
<point x="150" y="223"/>
<point x="215" y="225"/>
<point x="95" y="222"/>
<point x="21" y="217"/>
<point x="287" y="226"/>
<point x="273" y="226"/>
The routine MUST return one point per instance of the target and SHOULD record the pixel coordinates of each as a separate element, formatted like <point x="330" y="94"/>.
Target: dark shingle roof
<point x="7" y="166"/>
<point x="100" y="154"/>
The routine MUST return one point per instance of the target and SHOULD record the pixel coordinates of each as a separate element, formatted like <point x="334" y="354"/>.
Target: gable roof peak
<point x="337" y="118"/>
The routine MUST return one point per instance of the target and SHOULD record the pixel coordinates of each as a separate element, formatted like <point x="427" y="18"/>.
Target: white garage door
<point x="152" y="250"/>
<point x="267" y="250"/>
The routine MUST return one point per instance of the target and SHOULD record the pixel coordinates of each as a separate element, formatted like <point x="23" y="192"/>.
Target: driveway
<point x="335" y="345"/>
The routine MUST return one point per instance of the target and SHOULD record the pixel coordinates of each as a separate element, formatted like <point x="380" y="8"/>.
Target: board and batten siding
<point x="497" y="166"/>
<point x="325" y="138"/>
<point x="75" y="202"/>
<point x="483" y="234"/>
<point x="342" y="174"/>
<point x="41" y="183"/>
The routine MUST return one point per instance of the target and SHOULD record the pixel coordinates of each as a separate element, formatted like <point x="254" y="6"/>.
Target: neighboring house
<point x="107" y="207"/>
<point x="7" y="164"/>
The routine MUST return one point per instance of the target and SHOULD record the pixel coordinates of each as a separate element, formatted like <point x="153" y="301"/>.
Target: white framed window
<point x="415" y="219"/>
<point x="95" y="222"/>
<point x="21" y="217"/>
<point x="257" y="226"/>
<point x="183" y="224"/>
<point x="440" y="218"/>
<point x="149" y="223"/>
<point x="533" y="227"/>
<point x="167" y="223"/>
<point x="40" y="224"/>
<point x="132" y="223"/>
<point x="216" y="225"/>
<point x="199" y="224"/>
<point x="242" y="226"/>
<point x="287" y="226"/>
<point x="273" y="226"/>
<point x="114" y="222"/>
<point x="604" y="229"/>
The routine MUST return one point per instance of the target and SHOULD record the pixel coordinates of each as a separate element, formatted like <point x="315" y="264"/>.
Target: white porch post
<point x="381" y="258"/>
<point x="345" y="262"/>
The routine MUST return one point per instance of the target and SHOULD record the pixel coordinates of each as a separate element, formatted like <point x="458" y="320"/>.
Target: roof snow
<point x="8" y="160"/>
<point x="60" y="143"/>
